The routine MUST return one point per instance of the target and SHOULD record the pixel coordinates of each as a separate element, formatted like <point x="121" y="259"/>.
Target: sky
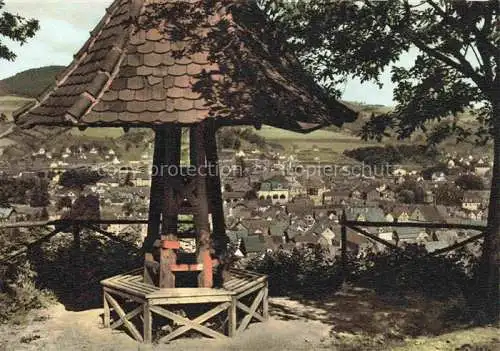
<point x="65" y="26"/>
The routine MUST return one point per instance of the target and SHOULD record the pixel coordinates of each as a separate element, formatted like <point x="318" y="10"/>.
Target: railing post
<point x="343" y="245"/>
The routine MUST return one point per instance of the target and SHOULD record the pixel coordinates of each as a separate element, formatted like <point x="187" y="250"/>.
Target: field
<point x="98" y="133"/>
<point x="326" y="145"/>
<point x="10" y="103"/>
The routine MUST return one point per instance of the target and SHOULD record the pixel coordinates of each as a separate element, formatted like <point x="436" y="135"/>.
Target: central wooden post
<point x="171" y="187"/>
<point x="156" y="198"/>
<point x="199" y="165"/>
<point x="214" y="188"/>
<point x="169" y="172"/>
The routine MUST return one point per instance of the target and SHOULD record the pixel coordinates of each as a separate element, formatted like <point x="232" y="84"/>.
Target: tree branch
<point x="462" y="66"/>
<point x="481" y="36"/>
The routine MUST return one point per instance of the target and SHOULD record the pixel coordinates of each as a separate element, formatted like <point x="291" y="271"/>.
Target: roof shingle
<point x="134" y="70"/>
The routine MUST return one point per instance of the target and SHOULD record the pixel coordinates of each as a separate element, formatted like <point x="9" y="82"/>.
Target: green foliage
<point x="470" y="182"/>
<point x="302" y="271"/>
<point x="411" y="191"/>
<point x="233" y="138"/>
<point x="15" y="28"/>
<point x="19" y="292"/>
<point x="390" y="154"/>
<point x="17" y="190"/>
<point x="227" y="138"/>
<point x="311" y="272"/>
<point x="413" y="271"/>
<point x="448" y="194"/>
<point x="39" y="194"/>
<point x="439" y="168"/>
<point x="78" y="178"/>
<point x="455" y="41"/>
<point x="63" y="202"/>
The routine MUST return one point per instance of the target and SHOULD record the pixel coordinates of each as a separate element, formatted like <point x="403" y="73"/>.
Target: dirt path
<point x="293" y="326"/>
<point x="58" y="329"/>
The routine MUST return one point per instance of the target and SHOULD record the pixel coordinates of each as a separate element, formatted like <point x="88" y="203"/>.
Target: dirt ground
<point x="346" y="321"/>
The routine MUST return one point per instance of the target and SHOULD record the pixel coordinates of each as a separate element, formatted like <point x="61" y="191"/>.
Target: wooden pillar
<point x="170" y="173"/>
<point x="156" y="197"/>
<point x="214" y="187"/>
<point x="198" y="160"/>
<point x="148" y="324"/>
<point x="232" y="317"/>
<point x="343" y="245"/>
<point x="265" y="301"/>
<point x="107" y="313"/>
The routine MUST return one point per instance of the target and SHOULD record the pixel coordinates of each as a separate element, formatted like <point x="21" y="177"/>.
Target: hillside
<point x="30" y="83"/>
<point x="329" y="143"/>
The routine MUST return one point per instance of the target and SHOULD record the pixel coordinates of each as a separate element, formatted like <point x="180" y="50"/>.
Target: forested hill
<point x="30" y="83"/>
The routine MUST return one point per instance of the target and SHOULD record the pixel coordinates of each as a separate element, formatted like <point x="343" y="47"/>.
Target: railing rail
<point x="75" y="225"/>
<point x="356" y="227"/>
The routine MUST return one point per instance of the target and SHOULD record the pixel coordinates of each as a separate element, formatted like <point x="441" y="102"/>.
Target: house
<point x="373" y="195"/>
<point x="401" y="213"/>
<point x="274" y="189"/>
<point x="409" y="235"/>
<point x="237" y="184"/>
<point x="256" y="226"/>
<point x="240" y="211"/>
<point x="253" y="244"/>
<point x="475" y="199"/>
<point x="233" y="197"/>
<point x="438" y="177"/>
<point x="278" y="228"/>
<point x="362" y="214"/>
<point x="325" y="231"/>
<point x="300" y="207"/>
<point x="426" y="213"/>
<point x="307" y="239"/>
<point x="8" y="215"/>
<point x="315" y="188"/>
<point x="295" y="188"/>
<point x="340" y="197"/>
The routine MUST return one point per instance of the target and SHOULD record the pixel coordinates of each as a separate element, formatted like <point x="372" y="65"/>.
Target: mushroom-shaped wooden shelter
<point x="167" y="64"/>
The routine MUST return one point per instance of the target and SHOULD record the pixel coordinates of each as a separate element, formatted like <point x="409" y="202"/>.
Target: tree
<point x="449" y="194"/>
<point x="456" y="68"/>
<point x="63" y="202"/>
<point x="39" y="194"/>
<point x="410" y="191"/>
<point x="15" y="28"/>
<point x="79" y="178"/>
<point x="406" y="196"/>
<point x="128" y="209"/>
<point x="470" y="182"/>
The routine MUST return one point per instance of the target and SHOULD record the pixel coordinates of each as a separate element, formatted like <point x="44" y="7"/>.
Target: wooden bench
<point x="150" y="300"/>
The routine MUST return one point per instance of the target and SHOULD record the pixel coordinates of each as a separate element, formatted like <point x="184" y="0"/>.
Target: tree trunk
<point x="489" y="265"/>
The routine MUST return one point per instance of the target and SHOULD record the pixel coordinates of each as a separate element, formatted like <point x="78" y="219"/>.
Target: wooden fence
<point x="75" y="227"/>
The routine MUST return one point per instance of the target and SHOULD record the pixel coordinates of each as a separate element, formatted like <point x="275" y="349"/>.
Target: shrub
<point x="19" y="292"/>
<point x="300" y="271"/>
<point x="412" y="271"/>
<point x="394" y="272"/>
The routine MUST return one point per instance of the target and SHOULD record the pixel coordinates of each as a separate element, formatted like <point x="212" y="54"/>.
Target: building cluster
<point x="271" y="203"/>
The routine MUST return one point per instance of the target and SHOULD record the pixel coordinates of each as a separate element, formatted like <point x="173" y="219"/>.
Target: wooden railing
<point x="356" y="227"/>
<point x="75" y="226"/>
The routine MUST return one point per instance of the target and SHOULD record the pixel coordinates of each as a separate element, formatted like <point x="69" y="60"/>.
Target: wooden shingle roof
<point x="138" y="70"/>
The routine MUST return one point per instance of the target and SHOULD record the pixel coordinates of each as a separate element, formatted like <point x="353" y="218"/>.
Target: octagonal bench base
<point x="243" y="298"/>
